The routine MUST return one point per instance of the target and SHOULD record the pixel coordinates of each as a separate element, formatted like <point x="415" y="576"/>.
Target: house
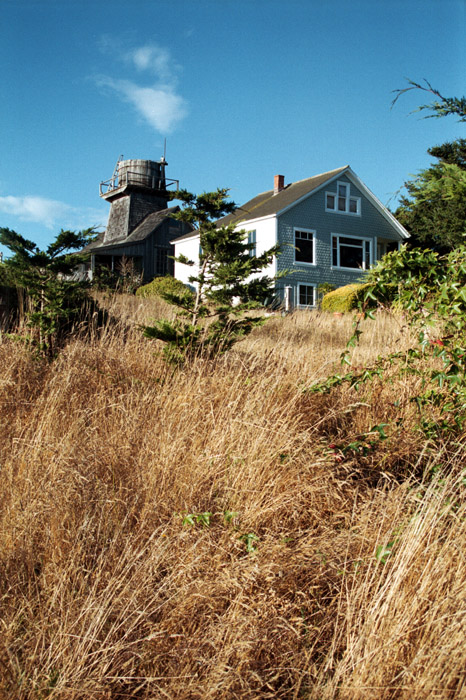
<point x="330" y="227"/>
<point x="140" y="223"/>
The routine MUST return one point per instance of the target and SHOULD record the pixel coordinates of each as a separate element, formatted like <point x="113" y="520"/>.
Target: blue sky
<point x="242" y="90"/>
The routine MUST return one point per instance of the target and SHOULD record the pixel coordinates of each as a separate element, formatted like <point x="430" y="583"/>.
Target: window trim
<point x="305" y="230"/>
<point x="314" y="295"/>
<point x="348" y="198"/>
<point x="360" y="238"/>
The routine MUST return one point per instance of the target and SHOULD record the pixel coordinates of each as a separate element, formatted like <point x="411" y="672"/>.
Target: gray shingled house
<point x="330" y="227"/>
<point x="140" y="224"/>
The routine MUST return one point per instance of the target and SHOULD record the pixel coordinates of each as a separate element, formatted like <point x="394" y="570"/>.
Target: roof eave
<point x="255" y="220"/>
<point x="112" y="246"/>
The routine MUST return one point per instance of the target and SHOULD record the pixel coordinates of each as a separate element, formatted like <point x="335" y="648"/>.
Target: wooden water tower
<point x="136" y="189"/>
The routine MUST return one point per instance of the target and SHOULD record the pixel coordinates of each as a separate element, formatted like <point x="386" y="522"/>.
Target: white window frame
<point x="348" y="198"/>
<point x="305" y="230"/>
<point x="359" y="238"/>
<point x="314" y="293"/>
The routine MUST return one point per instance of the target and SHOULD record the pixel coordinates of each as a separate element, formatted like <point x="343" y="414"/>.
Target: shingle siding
<point x="301" y="205"/>
<point x="310" y="214"/>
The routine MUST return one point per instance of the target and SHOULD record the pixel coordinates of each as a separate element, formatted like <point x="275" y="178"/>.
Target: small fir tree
<point x="228" y="284"/>
<point x="54" y="298"/>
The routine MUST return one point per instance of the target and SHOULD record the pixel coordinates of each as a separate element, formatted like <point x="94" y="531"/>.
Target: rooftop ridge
<point x="304" y="179"/>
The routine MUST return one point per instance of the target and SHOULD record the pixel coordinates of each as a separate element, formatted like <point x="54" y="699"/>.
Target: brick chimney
<point x="278" y="183"/>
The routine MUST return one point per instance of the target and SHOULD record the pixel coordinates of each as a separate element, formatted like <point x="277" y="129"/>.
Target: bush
<point x="161" y="286"/>
<point x="344" y="298"/>
<point x="322" y="290"/>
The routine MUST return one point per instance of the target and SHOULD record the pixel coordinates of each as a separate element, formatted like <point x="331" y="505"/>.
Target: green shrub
<point x="160" y="286"/>
<point x="322" y="290"/>
<point x="344" y="298"/>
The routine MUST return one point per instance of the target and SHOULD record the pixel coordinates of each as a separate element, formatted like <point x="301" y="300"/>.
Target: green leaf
<point x="383" y="552"/>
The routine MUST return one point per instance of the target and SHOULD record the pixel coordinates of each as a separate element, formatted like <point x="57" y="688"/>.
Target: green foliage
<point x="163" y="287"/>
<point x="250" y="539"/>
<point x="322" y="290"/>
<point x="408" y="276"/>
<point x="442" y="107"/>
<point x="201" y="519"/>
<point x="429" y="286"/>
<point x="451" y="152"/>
<point x="227" y="284"/>
<point x="55" y="299"/>
<point x="229" y="516"/>
<point x="325" y="288"/>
<point x="431" y="292"/>
<point x="344" y="298"/>
<point x="383" y="552"/>
<point x="434" y="209"/>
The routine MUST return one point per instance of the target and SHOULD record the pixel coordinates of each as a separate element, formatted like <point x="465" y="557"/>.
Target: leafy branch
<point x="442" y="107"/>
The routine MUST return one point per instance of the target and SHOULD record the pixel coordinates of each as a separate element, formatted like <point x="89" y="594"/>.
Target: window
<point x="306" y="295"/>
<point x="162" y="261"/>
<point x="341" y="201"/>
<point x="252" y="243"/>
<point x="352" y="253"/>
<point x="304" y="246"/>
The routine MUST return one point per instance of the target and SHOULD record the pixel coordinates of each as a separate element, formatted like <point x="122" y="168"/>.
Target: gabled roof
<point x="140" y="233"/>
<point x="268" y="203"/>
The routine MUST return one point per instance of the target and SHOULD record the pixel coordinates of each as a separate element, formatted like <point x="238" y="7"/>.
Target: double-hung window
<point x="341" y="201"/>
<point x="351" y="253"/>
<point x="304" y="246"/>
<point x="306" y="296"/>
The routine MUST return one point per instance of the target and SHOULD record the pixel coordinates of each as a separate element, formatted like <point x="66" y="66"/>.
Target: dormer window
<point x="341" y="201"/>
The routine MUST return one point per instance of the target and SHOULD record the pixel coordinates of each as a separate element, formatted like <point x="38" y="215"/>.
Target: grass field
<point x="206" y="533"/>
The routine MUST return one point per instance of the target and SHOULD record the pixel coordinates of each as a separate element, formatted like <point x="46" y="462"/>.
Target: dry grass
<point x="105" y="593"/>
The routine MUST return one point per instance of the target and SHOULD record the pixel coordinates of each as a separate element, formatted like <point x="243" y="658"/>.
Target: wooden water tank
<point x="140" y="173"/>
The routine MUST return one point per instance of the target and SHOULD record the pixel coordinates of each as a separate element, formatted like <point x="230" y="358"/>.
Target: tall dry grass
<point x="355" y="583"/>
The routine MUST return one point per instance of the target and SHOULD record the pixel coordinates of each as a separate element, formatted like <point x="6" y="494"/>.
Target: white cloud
<point x="160" y="106"/>
<point x="155" y="59"/>
<point x="159" y="103"/>
<point x="49" y="212"/>
<point x="30" y="208"/>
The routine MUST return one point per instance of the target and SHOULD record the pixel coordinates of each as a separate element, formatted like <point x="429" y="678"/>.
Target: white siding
<point x="189" y="248"/>
<point x="266" y="237"/>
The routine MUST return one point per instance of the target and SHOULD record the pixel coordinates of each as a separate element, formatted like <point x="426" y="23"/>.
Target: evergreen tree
<point x="54" y="298"/>
<point x="434" y="209"/>
<point x="228" y="284"/>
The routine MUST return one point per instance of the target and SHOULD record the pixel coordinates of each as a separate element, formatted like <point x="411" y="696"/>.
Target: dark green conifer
<point x="54" y="297"/>
<point x="228" y="284"/>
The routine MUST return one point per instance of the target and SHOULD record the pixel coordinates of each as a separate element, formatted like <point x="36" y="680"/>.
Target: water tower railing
<point x="134" y="178"/>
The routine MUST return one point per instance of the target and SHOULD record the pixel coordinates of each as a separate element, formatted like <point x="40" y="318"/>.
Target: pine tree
<point x="54" y="298"/>
<point x="228" y="284"/>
